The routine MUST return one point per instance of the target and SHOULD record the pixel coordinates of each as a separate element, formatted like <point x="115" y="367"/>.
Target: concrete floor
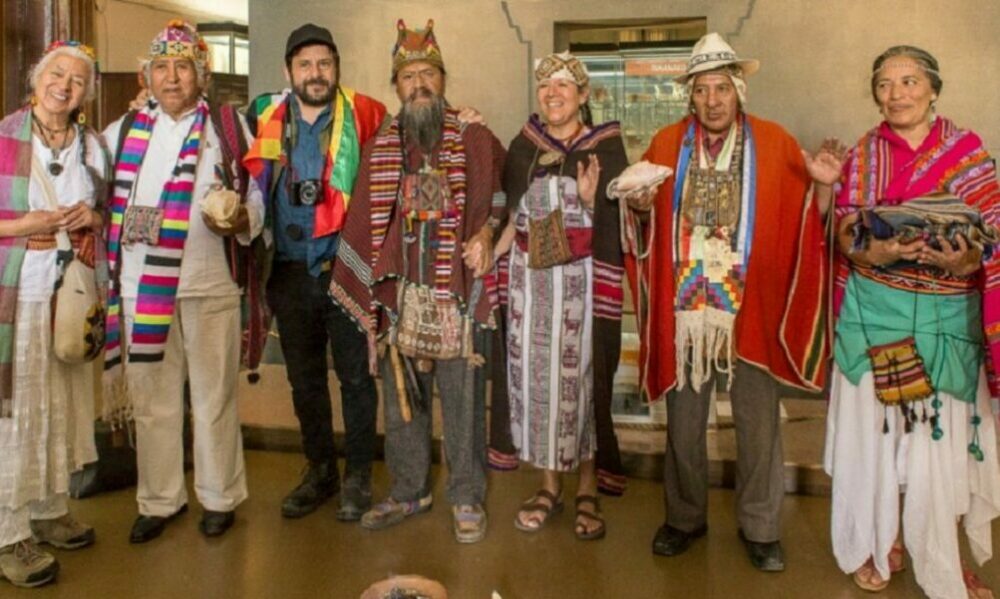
<point x="266" y="556"/>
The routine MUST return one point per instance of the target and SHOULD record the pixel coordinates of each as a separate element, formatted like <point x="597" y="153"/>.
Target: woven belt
<point x="47" y="241"/>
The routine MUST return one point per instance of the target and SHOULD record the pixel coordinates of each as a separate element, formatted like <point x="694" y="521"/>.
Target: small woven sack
<point x="429" y="328"/>
<point x="548" y="245"/>
<point x="899" y="373"/>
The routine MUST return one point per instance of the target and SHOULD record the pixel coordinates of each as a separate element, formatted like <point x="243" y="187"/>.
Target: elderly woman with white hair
<point x="52" y="169"/>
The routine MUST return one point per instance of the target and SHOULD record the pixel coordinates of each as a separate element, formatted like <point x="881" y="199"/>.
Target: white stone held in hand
<point x="640" y="177"/>
<point x="222" y="206"/>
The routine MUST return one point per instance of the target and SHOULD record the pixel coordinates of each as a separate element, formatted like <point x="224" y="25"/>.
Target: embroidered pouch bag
<point x="899" y="373"/>
<point x="427" y="192"/>
<point x="142" y="225"/>
<point x="429" y="328"/>
<point x="548" y="244"/>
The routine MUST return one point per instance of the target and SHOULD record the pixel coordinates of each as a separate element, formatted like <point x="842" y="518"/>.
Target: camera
<point x="307" y="193"/>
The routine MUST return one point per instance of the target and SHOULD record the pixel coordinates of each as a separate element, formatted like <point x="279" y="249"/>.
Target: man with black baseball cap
<point x="309" y="35"/>
<point x="305" y="157"/>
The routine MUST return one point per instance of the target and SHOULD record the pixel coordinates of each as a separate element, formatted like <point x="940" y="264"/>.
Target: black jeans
<point x="307" y="321"/>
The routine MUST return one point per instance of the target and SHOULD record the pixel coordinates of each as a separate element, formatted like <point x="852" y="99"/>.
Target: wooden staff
<point x="398" y="374"/>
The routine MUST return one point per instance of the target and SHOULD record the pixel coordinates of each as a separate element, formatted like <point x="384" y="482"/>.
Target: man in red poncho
<point x="731" y="285"/>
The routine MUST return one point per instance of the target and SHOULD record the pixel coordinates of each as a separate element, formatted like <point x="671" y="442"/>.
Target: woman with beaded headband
<point x="52" y="169"/>
<point x="914" y="298"/>
<point x="563" y="307"/>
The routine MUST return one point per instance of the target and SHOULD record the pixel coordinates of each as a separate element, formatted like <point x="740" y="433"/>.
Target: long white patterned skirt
<point x="550" y="345"/>
<point x="51" y="431"/>
<point x="942" y="485"/>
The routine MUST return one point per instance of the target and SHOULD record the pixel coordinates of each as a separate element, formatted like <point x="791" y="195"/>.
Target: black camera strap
<point x="291" y="137"/>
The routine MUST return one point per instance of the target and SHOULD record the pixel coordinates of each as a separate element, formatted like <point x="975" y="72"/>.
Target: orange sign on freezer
<point x="655" y="67"/>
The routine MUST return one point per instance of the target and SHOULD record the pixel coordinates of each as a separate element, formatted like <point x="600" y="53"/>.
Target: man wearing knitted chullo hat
<point x="174" y="310"/>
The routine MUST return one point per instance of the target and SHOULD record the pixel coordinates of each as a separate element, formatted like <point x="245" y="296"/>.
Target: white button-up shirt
<point x="204" y="270"/>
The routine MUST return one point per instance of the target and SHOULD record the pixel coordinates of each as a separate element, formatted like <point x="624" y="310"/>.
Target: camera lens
<point x="308" y="192"/>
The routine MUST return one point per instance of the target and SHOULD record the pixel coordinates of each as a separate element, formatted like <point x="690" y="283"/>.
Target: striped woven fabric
<point x="386" y="173"/>
<point x="161" y="271"/>
<point x="15" y="168"/>
<point x="955" y="163"/>
<point x="899" y="373"/>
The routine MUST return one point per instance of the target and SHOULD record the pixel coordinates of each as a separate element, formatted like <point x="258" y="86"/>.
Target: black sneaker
<point x="320" y="482"/>
<point x="355" y="498"/>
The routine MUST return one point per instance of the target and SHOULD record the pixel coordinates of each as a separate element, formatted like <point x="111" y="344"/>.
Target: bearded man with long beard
<point x="414" y="254"/>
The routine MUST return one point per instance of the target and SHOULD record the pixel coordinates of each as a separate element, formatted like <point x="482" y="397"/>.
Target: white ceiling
<point x="222" y="10"/>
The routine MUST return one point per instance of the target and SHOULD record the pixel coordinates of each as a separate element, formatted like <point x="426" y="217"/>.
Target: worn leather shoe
<point x="213" y="524"/>
<point x="670" y="541"/>
<point x="320" y="482"/>
<point x="147" y="528"/>
<point x="355" y="498"/>
<point x="766" y="557"/>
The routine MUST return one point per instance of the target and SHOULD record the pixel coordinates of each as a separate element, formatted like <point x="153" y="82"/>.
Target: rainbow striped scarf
<point x="157" y="292"/>
<point x="356" y="118"/>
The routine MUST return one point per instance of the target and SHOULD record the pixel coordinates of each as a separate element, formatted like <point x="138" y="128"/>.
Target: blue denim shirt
<point x="307" y="160"/>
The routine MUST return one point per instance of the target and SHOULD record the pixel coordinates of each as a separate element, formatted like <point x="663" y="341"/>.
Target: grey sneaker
<point x="389" y="512"/>
<point x="63" y="532"/>
<point x="469" y="522"/>
<point x="25" y="565"/>
<point x="355" y="499"/>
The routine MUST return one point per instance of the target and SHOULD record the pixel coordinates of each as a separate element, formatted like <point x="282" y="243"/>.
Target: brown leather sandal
<point x="533" y="504"/>
<point x="592" y="515"/>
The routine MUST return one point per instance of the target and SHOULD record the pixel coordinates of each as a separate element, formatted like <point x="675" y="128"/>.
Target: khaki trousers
<point x="203" y="347"/>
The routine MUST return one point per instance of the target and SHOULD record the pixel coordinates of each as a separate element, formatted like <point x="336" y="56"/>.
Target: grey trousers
<point x="408" y="444"/>
<point x="759" y="465"/>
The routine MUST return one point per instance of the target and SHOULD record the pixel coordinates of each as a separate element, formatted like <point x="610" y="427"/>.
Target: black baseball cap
<point x="307" y="35"/>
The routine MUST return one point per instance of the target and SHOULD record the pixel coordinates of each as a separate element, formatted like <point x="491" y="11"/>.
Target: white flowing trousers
<point x="52" y="429"/>
<point x="941" y="482"/>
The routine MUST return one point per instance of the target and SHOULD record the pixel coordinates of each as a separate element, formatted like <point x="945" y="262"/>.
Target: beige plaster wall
<point x="124" y="30"/>
<point x="816" y="54"/>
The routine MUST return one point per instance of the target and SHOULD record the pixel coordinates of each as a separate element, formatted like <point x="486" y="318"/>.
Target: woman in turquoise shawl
<point x="938" y="450"/>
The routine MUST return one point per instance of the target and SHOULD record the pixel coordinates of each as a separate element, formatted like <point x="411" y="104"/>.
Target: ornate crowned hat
<point x="182" y="40"/>
<point x="413" y="45"/>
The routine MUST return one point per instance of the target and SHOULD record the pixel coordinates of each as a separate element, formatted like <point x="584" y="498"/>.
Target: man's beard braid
<point x="423" y="123"/>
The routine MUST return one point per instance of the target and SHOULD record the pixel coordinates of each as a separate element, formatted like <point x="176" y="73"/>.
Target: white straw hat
<point x="712" y="52"/>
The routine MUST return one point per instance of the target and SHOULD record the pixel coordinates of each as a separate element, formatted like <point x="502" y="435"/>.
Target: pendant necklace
<point x="55" y="167"/>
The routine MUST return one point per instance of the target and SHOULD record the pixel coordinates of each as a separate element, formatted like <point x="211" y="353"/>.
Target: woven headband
<point x="562" y="66"/>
